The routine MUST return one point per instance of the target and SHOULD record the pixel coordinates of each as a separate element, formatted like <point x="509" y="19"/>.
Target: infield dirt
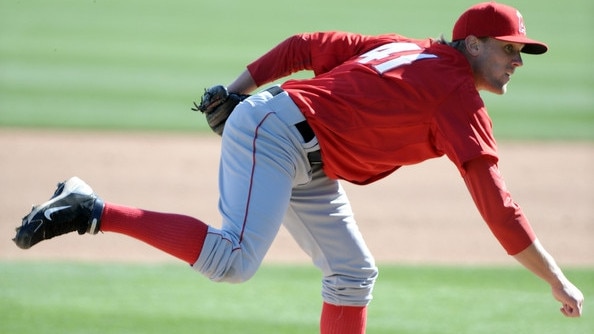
<point x="419" y="215"/>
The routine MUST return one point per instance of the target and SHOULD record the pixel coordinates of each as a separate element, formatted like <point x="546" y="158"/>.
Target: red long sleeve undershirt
<point x="495" y="204"/>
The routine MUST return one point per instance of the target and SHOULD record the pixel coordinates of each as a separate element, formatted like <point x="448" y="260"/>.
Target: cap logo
<point x="521" y="26"/>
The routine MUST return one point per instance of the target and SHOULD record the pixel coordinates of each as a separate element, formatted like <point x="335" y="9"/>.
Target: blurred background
<point x="139" y="64"/>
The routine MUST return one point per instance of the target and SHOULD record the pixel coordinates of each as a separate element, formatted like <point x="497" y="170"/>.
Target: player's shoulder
<point x="443" y="70"/>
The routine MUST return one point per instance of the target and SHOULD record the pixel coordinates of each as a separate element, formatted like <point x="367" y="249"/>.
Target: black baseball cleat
<point x="73" y="207"/>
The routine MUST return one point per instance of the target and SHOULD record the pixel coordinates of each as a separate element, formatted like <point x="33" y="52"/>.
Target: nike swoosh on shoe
<point x="47" y="213"/>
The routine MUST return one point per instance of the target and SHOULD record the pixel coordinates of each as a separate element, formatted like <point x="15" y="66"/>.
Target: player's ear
<point x="473" y="45"/>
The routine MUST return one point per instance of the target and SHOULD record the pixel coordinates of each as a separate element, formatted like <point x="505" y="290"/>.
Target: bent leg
<point x="261" y="161"/>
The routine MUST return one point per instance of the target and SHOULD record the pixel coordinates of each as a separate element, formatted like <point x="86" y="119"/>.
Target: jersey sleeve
<point x="318" y="52"/>
<point x="504" y="217"/>
<point x="463" y="127"/>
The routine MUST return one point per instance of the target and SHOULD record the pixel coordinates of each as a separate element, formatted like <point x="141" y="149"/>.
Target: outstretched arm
<point x="536" y="259"/>
<point x="512" y="229"/>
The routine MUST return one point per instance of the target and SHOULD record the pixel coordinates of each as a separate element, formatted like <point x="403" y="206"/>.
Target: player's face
<point x="494" y="64"/>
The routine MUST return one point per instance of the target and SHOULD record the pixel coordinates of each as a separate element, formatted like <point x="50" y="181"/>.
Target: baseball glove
<point x="217" y="104"/>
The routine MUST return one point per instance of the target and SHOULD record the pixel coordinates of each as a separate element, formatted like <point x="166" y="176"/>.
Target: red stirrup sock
<point x="178" y="235"/>
<point x="343" y="319"/>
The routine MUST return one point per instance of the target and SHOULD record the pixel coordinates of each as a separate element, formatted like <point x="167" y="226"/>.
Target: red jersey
<point x="377" y="103"/>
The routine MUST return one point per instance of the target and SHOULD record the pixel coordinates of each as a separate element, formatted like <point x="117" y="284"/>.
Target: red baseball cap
<point x="502" y="22"/>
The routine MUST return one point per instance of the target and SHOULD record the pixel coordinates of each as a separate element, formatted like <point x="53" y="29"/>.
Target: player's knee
<point x="236" y="274"/>
<point x="228" y="264"/>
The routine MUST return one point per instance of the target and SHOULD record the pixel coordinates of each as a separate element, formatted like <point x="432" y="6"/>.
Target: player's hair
<point x="459" y="44"/>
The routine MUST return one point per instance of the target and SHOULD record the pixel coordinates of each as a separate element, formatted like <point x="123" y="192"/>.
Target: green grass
<point x="60" y="297"/>
<point x="137" y="65"/>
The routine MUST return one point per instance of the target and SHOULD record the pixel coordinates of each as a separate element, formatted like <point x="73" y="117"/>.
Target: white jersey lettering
<point x="390" y="56"/>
